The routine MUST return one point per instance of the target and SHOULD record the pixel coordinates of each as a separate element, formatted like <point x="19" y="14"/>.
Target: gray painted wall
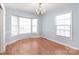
<point x="9" y="13"/>
<point x="49" y="30"/>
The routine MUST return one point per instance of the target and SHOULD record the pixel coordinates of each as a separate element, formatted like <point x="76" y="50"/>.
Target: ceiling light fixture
<point x="40" y="9"/>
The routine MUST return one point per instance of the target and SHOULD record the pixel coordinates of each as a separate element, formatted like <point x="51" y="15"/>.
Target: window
<point x="21" y="25"/>
<point x="25" y="25"/>
<point x="34" y="25"/>
<point x="64" y="25"/>
<point x="14" y="25"/>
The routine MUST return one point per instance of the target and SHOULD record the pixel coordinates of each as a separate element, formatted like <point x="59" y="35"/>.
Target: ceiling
<point x="31" y="7"/>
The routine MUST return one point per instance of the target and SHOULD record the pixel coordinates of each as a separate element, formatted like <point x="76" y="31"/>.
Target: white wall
<point x="49" y="30"/>
<point x="2" y="29"/>
<point x="9" y="13"/>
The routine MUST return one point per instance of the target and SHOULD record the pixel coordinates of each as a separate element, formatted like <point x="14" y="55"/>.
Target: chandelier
<point x="40" y="9"/>
<point x="0" y="7"/>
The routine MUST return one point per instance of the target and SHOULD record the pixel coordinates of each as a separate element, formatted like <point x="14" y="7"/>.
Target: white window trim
<point x="71" y="33"/>
<point x="31" y="25"/>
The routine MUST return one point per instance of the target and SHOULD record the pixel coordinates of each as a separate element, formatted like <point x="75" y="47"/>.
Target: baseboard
<point x="46" y="38"/>
<point x="21" y="39"/>
<point x="65" y="44"/>
<point x="62" y="43"/>
<point x="1" y="52"/>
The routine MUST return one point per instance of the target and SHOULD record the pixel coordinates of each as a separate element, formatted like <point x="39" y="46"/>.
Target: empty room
<point x="39" y="29"/>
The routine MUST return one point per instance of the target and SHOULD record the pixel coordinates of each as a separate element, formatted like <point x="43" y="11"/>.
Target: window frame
<point x="34" y="25"/>
<point x="19" y="25"/>
<point x="65" y="25"/>
<point x="12" y="26"/>
<point x="18" y="22"/>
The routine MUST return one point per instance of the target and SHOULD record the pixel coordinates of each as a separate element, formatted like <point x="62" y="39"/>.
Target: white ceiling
<point x="31" y="7"/>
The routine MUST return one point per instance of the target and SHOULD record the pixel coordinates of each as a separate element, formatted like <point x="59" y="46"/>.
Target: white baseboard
<point x="65" y="44"/>
<point x="2" y="51"/>
<point x="8" y="43"/>
<point x="46" y="38"/>
<point x="62" y="43"/>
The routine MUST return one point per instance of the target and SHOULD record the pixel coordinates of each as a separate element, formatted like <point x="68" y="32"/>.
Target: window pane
<point x="60" y="17"/>
<point x="25" y="25"/>
<point x="67" y="21"/>
<point x="67" y="33"/>
<point x="14" y="25"/>
<point x="34" y="25"/>
<point x="67" y="27"/>
<point x="60" y="22"/>
<point x="34" y="29"/>
<point x="60" y="32"/>
<point x="14" y="20"/>
<point x="60" y="27"/>
<point x="34" y="22"/>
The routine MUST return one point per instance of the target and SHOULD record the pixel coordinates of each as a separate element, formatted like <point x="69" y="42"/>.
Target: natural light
<point x="64" y="25"/>
<point x="20" y="25"/>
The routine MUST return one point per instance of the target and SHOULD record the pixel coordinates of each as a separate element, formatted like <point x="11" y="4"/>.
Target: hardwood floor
<point x="38" y="46"/>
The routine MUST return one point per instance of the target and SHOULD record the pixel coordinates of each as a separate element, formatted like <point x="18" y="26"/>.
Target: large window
<point x="24" y="25"/>
<point x="14" y="25"/>
<point x="34" y="25"/>
<point x="64" y="25"/>
<point x="20" y="25"/>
